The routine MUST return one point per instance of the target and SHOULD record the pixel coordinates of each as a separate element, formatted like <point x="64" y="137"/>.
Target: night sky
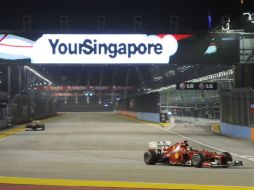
<point x="119" y="14"/>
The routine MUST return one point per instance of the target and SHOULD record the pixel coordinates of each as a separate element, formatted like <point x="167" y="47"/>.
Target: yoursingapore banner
<point x="180" y="49"/>
<point x="91" y="48"/>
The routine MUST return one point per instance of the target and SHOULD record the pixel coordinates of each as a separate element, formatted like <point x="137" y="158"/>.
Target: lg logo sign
<point x="196" y="86"/>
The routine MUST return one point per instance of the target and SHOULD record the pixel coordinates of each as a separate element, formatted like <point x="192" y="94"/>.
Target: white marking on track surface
<point x="251" y="158"/>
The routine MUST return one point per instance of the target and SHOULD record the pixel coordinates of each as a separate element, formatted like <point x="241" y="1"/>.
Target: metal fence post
<point x="248" y="109"/>
<point x="9" y="95"/>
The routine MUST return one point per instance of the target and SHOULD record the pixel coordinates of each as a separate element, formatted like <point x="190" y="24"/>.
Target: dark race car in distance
<point x="182" y="154"/>
<point x="35" y="125"/>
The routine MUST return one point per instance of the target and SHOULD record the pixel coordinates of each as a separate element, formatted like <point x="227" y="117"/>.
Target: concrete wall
<point x="152" y="117"/>
<point x="127" y="113"/>
<point x="236" y="131"/>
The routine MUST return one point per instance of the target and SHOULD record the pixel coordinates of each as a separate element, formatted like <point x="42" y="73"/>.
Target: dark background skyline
<point x="119" y="14"/>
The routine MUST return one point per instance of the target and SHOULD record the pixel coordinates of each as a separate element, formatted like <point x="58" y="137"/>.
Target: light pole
<point x="9" y="96"/>
<point x="20" y="79"/>
<point x="88" y="95"/>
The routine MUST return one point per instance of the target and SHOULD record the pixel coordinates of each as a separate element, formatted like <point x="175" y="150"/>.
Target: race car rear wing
<point x="158" y="144"/>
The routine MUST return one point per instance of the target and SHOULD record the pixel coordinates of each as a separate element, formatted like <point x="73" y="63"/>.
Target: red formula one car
<point x="183" y="154"/>
<point x="35" y="125"/>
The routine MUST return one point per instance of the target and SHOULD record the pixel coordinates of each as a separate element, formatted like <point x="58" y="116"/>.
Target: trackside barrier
<point x="237" y="106"/>
<point x="127" y="113"/>
<point x="153" y="117"/>
<point x="237" y="131"/>
<point x="252" y="134"/>
<point x="216" y="128"/>
<point x="237" y="112"/>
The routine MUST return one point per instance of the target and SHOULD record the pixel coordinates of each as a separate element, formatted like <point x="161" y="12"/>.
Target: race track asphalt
<point x="105" y="146"/>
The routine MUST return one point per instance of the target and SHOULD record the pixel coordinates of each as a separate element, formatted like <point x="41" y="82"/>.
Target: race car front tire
<point x="228" y="156"/>
<point x="197" y="160"/>
<point x="28" y="127"/>
<point x="42" y="127"/>
<point x="150" y="157"/>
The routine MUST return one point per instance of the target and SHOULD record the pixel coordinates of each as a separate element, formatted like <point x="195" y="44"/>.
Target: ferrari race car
<point x="35" y="125"/>
<point x="182" y="154"/>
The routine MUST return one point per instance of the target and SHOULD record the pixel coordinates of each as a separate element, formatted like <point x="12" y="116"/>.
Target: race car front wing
<point x="217" y="163"/>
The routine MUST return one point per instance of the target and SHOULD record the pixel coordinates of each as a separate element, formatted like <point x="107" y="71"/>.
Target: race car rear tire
<point x="197" y="160"/>
<point x="150" y="158"/>
<point x="228" y="156"/>
<point x="42" y="127"/>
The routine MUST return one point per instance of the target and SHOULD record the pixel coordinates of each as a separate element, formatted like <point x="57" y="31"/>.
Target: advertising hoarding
<point x="89" y="48"/>
<point x="179" y="49"/>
